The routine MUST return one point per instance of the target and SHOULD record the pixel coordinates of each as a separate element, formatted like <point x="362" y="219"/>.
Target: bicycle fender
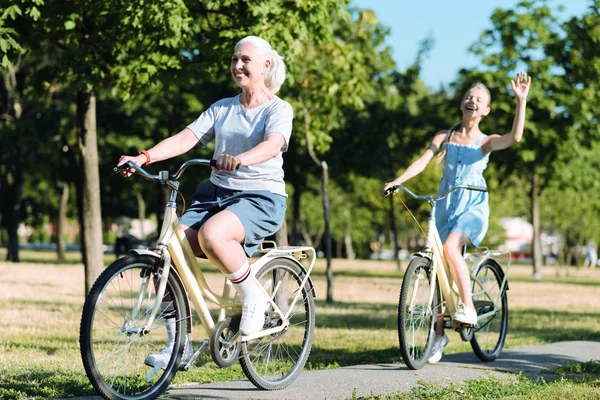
<point x="144" y="252"/>
<point x="310" y="284"/>
<point x="425" y="254"/>
<point x="188" y="314"/>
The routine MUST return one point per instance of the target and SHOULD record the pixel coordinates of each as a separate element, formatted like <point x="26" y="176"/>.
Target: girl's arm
<point x="417" y="166"/>
<point x="499" y="142"/>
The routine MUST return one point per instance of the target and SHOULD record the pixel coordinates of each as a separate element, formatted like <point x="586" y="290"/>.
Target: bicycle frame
<point x="441" y="271"/>
<point x="173" y="248"/>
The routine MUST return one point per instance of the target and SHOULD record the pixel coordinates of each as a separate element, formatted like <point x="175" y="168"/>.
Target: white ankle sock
<point x="244" y="281"/>
<point x="171" y="330"/>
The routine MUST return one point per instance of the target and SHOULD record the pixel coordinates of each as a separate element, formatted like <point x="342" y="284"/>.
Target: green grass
<point x="574" y="381"/>
<point x="39" y="351"/>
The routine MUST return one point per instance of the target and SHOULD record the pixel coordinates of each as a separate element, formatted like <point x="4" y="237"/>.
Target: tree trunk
<point x="12" y="180"/>
<point x="536" y="245"/>
<point x="12" y="215"/>
<point x="394" y="234"/>
<point x="325" y="183"/>
<point x="12" y="225"/>
<point x="326" y="215"/>
<point x="297" y="181"/>
<point x="281" y="235"/>
<point x="61" y="221"/>
<point x="91" y="228"/>
<point x="350" y="255"/>
<point x="141" y="213"/>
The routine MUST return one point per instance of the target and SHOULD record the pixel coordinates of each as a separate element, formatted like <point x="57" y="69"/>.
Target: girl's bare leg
<point x="458" y="266"/>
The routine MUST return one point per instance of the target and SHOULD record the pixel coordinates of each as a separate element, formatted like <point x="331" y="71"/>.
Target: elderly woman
<point x="244" y="200"/>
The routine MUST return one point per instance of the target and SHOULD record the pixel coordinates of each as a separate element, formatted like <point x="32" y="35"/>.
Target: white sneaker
<point x="253" y="314"/>
<point x="465" y="315"/>
<point x="161" y="359"/>
<point x="438" y="348"/>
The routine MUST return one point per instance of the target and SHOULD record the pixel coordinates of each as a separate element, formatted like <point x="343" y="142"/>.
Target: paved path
<point x="365" y="380"/>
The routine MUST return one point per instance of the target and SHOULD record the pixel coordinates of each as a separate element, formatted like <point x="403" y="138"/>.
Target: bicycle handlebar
<point x="435" y="198"/>
<point x="163" y="176"/>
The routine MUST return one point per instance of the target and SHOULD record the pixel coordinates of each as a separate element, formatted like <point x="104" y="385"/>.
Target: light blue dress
<point x="465" y="211"/>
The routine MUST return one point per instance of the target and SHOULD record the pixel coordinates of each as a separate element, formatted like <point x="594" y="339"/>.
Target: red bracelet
<point x="145" y="153"/>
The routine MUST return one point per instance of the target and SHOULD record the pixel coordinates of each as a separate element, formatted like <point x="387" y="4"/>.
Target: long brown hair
<point x="444" y="150"/>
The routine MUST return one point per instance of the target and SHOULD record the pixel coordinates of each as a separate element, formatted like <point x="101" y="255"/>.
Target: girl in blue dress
<point x="462" y="216"/>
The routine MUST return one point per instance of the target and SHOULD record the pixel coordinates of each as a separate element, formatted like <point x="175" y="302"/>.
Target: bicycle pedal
<point x="192" y="361"/>
<point x="460" y="325"/>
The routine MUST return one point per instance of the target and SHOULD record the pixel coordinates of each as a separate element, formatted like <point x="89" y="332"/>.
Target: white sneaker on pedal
<point x="438" y="348"/>
<point x="253" y="314"/>
<point x="465" y="315"/>
<point x="161" y="359"/>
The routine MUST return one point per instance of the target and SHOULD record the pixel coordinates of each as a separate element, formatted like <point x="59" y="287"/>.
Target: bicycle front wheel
<point x="113" y="346"/>
<point x="274" y="361"/>
<point x="416" y="315"/>
<point x="488" y="339"/>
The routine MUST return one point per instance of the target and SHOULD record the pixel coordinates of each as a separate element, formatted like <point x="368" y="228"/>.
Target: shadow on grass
<point x="44" y="385"/>
<point x="63" y="343"/>
<point x="561" y="280"/>
<point x="554" y="326"/>
<point x="364" y="306"/>
<point x="345" y="315"/>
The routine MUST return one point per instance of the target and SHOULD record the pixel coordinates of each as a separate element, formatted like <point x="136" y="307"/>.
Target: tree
<point x="99" y="45"/>
<point x="335" y="76"/>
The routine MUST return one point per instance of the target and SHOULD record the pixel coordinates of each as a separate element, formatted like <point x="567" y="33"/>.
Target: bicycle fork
<point x="161" y="286"/>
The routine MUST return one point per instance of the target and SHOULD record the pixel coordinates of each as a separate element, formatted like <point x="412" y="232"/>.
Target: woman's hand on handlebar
<point x="227" y="163"/>
<point x="138" y="160"/>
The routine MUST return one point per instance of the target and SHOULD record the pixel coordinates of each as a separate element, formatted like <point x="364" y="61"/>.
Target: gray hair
<point x="275" y="76"/>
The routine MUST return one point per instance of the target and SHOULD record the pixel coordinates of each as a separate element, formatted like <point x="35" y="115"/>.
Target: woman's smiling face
<point x="247" y="66"/>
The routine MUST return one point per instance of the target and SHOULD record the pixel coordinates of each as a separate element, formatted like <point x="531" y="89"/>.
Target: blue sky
<point x="453" y="24"/>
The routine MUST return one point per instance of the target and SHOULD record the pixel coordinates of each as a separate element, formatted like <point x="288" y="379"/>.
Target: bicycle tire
<point x="112" y="352"/>
<point x="274" y="361"/>
<point x="416" y="318"/>
<point x="488" y="339"/>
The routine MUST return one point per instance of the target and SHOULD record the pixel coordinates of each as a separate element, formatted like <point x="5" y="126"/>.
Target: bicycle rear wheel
<point x="488" y="339"/>
<point x="113" y="349"/>
<point x="274" y="361"/>
<point x="416" y="316"/>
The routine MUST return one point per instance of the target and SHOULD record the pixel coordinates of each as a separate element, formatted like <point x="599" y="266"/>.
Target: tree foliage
<point x="155" y="66"/>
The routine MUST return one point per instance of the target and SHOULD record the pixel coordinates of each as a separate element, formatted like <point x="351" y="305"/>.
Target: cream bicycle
<point x="124" y="313"/>
<point x="428" y="289"/>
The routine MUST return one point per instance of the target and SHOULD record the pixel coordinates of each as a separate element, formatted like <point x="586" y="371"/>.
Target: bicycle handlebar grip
<point x="125" y="166"/>
<point x="213" y="163"/>
<point x="477" y="188"/>
<point x="390" y="190"/>
<point x="121" y="167"/>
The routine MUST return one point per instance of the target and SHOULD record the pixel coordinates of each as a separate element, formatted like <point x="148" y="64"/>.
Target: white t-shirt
<point x="236" y="130"/>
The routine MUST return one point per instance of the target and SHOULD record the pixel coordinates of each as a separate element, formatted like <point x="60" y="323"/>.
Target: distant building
<point x="519" y="236"/>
